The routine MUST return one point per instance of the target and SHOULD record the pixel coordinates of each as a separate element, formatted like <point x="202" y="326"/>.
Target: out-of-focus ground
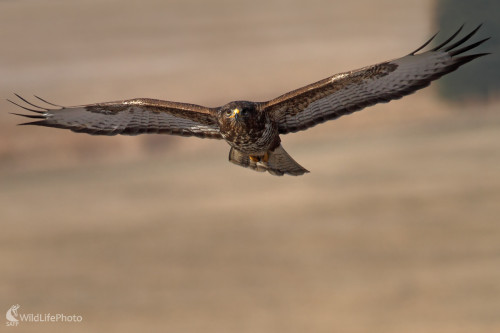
<point x="396" y="228"/>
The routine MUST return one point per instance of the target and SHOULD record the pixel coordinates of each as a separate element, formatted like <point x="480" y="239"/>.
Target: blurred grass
<point x="378" y="235"/>
<point x="395" y="229"/>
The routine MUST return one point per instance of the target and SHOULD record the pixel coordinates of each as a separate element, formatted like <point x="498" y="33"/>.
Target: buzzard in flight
<point x="253" y="129"/>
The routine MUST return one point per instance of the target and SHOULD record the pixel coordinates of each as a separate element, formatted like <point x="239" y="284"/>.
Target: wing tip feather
<point x="463" y="39"/>
<point x="468" y="47"/>
<point x="36" y="123"/>
<point x="34" y="116"/>
<point x="425" y="44"/>
<point x="444" y="46"/>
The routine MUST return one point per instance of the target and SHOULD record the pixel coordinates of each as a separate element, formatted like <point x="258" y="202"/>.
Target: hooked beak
<point x="235" y="114"/>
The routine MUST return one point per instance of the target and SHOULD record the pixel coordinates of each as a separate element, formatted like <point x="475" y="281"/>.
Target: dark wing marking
<point x="345" y="93"/>
<point x="129" y="117"/>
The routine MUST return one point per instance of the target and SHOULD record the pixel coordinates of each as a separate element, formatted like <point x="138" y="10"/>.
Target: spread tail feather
<point x="278" y="163"/>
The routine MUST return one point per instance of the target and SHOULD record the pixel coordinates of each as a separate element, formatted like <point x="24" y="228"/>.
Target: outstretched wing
<point x="345" y="93"/>
<point x="129" y="117"/>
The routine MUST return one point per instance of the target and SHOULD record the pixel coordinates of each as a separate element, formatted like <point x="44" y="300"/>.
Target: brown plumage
<point x="252" y="129"/>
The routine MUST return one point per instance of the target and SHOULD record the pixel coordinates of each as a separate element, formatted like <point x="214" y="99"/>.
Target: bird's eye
<point x="228" y="113"/>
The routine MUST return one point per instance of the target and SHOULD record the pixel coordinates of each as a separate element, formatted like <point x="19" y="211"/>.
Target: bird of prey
<point x="253" y="129"/>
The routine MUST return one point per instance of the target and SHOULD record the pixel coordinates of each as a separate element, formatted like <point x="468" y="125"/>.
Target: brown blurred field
<point x="396" y="229"/>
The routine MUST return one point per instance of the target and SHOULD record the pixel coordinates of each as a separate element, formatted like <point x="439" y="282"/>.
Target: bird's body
<point x="253" y="129"/>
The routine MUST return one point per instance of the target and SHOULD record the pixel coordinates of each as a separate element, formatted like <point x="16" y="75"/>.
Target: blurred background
<point x="396" y="228"/>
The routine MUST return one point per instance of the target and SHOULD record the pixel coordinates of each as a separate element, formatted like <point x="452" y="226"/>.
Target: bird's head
<point x="240" y="112"/>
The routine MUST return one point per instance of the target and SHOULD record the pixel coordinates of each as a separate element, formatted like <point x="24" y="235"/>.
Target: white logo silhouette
<point x="14" y="318"/>
<point x="12" y="314"/>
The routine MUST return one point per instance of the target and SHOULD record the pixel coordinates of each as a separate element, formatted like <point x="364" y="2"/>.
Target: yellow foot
<point x="254" y="158"/>
<point x="265" y="158"/>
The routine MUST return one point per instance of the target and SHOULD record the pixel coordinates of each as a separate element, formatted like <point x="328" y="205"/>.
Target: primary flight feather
<point x="253" y="129"/>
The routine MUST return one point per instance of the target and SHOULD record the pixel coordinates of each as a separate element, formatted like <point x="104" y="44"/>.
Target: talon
<point x="254" y="158"/>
